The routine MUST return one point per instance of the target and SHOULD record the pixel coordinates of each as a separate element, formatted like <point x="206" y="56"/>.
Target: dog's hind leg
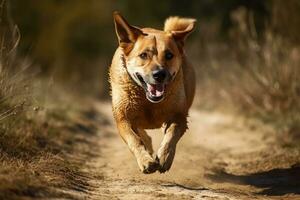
<point x="136" y="145"/>
<point x="147" y="140"/>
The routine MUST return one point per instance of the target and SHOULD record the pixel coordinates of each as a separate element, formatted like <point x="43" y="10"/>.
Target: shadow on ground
<point x="184" y="187"/>
<point x="274" y="182"/>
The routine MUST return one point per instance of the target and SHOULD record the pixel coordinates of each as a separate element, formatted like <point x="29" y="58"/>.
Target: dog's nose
<point x="159" y="75"/>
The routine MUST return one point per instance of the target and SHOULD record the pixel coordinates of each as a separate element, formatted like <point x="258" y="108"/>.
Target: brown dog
<point x="152" y="86"/>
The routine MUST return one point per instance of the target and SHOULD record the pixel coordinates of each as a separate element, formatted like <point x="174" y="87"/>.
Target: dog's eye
<point x="169" y="55"/>
<point x="143" y="56"/>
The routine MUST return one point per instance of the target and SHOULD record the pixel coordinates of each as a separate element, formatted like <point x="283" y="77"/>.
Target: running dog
<point x="152" y="86"/>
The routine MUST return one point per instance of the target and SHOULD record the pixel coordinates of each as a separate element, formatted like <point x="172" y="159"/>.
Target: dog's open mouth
<point x="154" y="92"/>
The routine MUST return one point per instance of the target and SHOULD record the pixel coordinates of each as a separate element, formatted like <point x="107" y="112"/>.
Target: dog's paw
<point x="165" y="159"/>
<point x="147" y="164"/>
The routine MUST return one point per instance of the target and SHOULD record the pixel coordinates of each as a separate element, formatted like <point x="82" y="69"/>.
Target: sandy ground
<point x="220" y="157"/>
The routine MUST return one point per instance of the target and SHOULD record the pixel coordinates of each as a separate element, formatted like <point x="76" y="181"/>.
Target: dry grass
<point x="37" y="151"/>
<point x="269" y="69"/>
<point x="255" y="74"/>
<point x="37" y="137"/>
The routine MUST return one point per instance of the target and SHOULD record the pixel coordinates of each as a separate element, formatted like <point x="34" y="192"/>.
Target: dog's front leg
<point x="145" y="161"/>
<point x="166" y="152"/>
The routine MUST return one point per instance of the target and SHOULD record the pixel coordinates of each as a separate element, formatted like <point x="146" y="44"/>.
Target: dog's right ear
<point x="127" y="35"/>
<point x="179" y="28"/>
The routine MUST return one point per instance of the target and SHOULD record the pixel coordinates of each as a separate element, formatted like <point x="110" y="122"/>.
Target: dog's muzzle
<point x="155" y="92"/>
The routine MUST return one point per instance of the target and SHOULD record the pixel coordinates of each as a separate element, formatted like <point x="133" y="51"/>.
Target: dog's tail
<point x="178" y="23"/>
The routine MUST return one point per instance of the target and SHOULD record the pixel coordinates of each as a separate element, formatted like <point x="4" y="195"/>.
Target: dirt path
<point x="220" y="157"/>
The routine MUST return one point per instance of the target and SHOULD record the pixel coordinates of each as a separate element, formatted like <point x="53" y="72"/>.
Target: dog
<point x="152" y="86"/>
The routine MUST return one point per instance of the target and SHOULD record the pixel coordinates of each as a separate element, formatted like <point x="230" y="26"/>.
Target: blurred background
<point x="244" y="52"/>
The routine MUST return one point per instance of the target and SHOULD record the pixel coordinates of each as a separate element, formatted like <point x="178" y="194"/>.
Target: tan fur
<point x="177" y="23"/>
<point x="132" y="111"/>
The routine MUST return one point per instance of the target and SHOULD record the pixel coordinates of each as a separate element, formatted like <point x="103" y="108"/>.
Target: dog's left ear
<point x="127" y="34"/>
<point x="180" y="28"/>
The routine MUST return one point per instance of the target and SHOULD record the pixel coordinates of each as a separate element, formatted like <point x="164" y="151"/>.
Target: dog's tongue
<point x="156" y="90"/>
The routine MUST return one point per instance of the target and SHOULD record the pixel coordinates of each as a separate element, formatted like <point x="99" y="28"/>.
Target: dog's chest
<point x="150" y="116"/>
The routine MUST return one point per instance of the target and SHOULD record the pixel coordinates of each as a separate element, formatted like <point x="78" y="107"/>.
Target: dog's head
<point x="153" y="57"/>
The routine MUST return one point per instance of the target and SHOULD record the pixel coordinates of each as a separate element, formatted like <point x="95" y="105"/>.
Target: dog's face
<point x="152" y="57"/>
<point x="153" y="63"/>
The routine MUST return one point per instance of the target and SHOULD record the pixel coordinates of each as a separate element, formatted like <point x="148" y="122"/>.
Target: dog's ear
<point x="180" y="28"/>
<point x="127" y="35"/>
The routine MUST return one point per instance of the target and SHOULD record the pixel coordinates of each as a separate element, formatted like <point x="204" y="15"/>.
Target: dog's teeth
<point x="155" y="90"/>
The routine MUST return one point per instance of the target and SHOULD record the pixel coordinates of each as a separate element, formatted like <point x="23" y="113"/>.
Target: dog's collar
<point x="125" y="67"/>
<point x="122" y="57"/>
